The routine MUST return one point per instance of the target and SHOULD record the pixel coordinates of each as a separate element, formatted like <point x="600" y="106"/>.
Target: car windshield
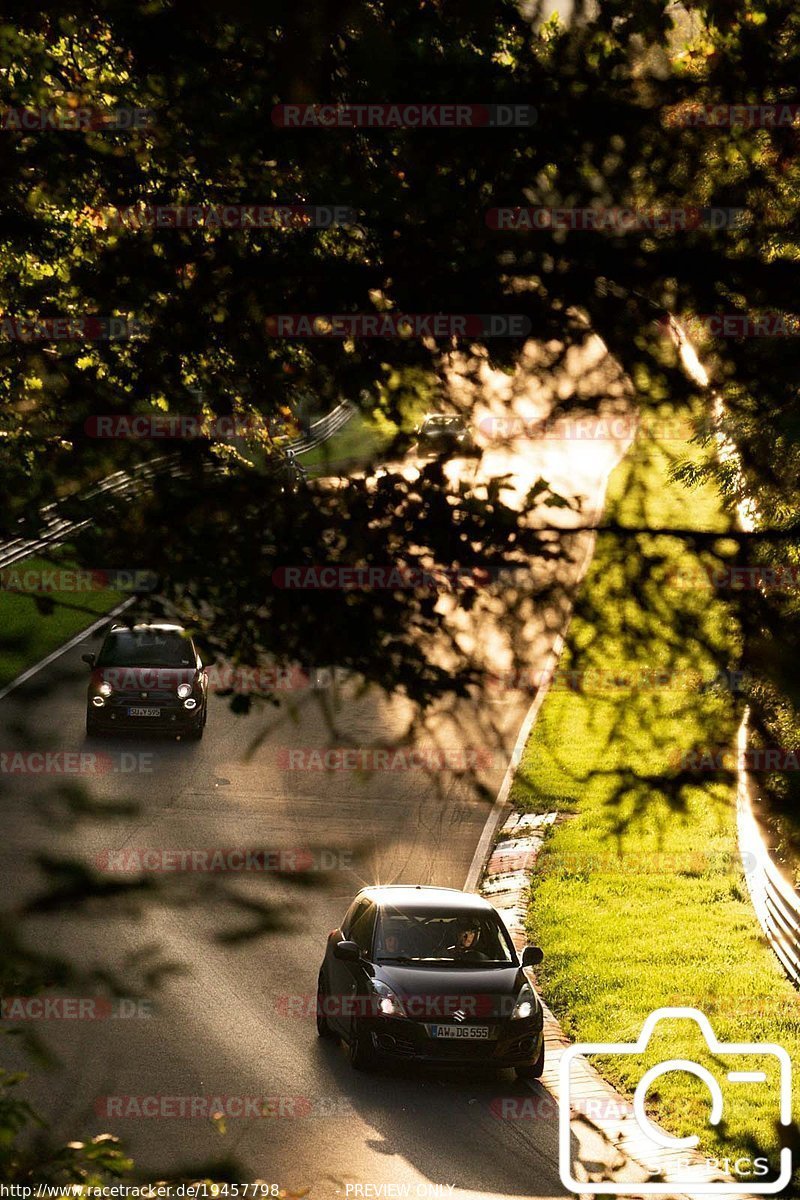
<point x="146" y="648"/>
<point x="420" y="936"/>
<point x="443" y="423"/>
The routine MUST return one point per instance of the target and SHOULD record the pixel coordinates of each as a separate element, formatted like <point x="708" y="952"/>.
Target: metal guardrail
<point x="324" y="428"/>
<point x="776" y="903"/>
<point x="56" y="528"/>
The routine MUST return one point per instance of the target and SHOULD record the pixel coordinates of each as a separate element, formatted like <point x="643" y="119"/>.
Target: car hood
<point x="438" y="992"/>
<point x="124" y="679"/>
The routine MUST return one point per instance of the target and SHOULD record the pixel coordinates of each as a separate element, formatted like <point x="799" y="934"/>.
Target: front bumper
<point x="172" y="717"/>
<point x="449" y="448"/>
<point x="511" y="1044"/>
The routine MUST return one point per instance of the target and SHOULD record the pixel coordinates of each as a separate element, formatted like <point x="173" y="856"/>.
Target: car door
<point x="356" y="987"/>
<point x="202" y="674"/>
<point x="338" y="976"/>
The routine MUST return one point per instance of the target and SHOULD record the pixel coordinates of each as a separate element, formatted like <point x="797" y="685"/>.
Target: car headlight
<point x="388" y="1003"/>
<point x="526" y="1004"/>
<point x="184" y="691"/>
<point x="104" y="689"/>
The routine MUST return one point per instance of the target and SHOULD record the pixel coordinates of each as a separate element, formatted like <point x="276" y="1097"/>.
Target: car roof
<point x="154" y="627"/>
<point x="405" y="896"/>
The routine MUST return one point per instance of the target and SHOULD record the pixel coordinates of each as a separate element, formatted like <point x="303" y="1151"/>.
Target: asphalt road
<point x="236" y="1022"/>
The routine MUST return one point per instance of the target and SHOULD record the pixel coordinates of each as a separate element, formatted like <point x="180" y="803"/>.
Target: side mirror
<point x="89" y="658"/>
<point x="347" y="951"/>
<point x="532" y="956"/>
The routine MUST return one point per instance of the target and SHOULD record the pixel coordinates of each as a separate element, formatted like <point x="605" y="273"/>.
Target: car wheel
<point x="362" y="1056"/>
<point x="323" y="1028"/>
<point x="91" y="727"/>
<point x="197" y="733"/>
<point x="532" y="1070"/>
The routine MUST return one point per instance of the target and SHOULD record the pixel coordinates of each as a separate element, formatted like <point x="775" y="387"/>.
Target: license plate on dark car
<point x="468" y="1032"/>
<point x="144" y="712"/>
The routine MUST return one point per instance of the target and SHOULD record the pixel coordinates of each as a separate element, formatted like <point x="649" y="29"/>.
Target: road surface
<point x="235" y="1022"/>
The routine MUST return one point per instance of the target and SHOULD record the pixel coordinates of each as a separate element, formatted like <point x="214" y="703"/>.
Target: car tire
<point x="362" y="1056"/>
<point x="91" y="728"/>
<point x="532" y="1070"/>
<point x="197" y="734"/>
<point x="323" y="1028"/>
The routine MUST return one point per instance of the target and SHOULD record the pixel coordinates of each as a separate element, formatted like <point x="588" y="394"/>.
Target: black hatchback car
<point x="439" y="433"/>
<point x="147" y="678"/>
<point x="430" y="975"/>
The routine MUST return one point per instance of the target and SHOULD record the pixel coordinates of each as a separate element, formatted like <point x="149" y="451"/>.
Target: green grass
<point x="30" y="631"/>
<point x="362" y="439"/>
<point x="638" y="899"/>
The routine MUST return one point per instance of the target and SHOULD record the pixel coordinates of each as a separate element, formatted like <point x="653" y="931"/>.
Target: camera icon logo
<point x="658" y="1139"/>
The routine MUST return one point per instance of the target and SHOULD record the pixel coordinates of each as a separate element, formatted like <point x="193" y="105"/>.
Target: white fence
<point x="775" y="901"/>
<point x="56" y="528"/>
<point x="324" y="428"/>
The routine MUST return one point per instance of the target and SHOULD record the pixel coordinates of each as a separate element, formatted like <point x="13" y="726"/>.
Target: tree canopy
<point x="632" y="111"/>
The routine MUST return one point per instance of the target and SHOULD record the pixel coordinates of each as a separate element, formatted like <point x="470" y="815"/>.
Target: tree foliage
<point x="608" y="88"/>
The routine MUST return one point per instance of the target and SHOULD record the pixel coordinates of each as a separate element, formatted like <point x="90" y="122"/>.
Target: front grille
<point x="398" y="1045"/>
<point x="457" y="1048"/>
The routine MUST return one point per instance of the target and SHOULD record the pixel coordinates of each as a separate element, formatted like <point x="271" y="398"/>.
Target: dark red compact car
<point x="147" y="679"/>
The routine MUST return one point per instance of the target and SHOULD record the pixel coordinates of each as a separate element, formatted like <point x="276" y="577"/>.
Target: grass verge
<point x="362" y="439"/>
<point x="33" y="624"/>
<point x="639" y="899"/>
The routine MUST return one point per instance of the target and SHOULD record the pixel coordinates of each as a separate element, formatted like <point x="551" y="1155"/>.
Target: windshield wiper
<point x="399" y="958"/>
<point x="476" y="962"/>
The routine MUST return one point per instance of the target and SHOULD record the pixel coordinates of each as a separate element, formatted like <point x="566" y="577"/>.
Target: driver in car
<point x="466" y="945"/>
<point x="391" y="944"/>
